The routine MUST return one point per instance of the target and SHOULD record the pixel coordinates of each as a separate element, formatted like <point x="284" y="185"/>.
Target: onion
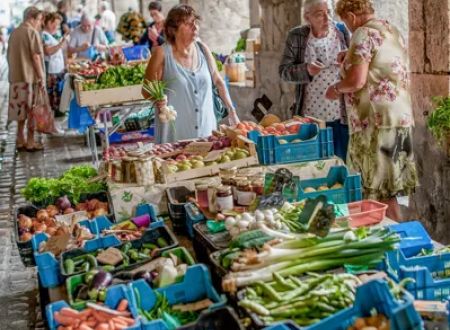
<point x="42" y="215"/>
<point x="26" y="236"/>
<point x="69" y="210"/>
<point x="92" y="204"/>
<point x="81" y="207"/>
<point x="25" y="222"/>
<point x="63" y="203"/>
<point x="50" y="222"/>
<point x="230" y="222"/>
<point x="39" y="227"/>
<point x="51" y="231"/>
<point x="52" y="210"/>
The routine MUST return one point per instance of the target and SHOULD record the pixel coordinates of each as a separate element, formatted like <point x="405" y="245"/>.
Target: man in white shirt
<point x="108" y="21"/>
<point x="86" y="40"/>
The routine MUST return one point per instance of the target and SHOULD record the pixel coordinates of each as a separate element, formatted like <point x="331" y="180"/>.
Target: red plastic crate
<point x="365" y="213"/>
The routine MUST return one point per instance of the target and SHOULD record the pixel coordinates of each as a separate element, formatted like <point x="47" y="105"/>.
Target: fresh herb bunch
<point x="118" y="76"/>
<point x="439" y="121"/>
<point x="73" y="183"/>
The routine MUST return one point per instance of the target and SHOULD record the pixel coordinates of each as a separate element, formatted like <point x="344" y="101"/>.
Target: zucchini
<point x="69" y="266"/>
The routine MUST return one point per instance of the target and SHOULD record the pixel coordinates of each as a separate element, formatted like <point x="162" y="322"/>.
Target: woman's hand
<point x="341" y="57"/>
<point x="233" y="118"/>
<point x="332" y="93"/>
<point x="314" y="68"/>
<point x="160" y="104"/>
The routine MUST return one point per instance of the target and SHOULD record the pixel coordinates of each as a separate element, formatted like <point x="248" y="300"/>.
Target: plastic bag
<point x="42" y="113"/>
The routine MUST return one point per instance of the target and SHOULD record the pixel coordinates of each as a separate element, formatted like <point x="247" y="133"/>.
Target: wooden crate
<point x="108" y="96"/>
<point x="167" y="177"/>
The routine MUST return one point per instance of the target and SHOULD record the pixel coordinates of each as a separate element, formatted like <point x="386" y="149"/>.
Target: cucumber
<point x="69" y="266"/>
<point x="162" y="243"/>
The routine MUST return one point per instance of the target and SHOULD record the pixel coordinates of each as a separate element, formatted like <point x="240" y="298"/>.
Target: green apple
<point x="239" y="155"/>
<point x="197" y="164"/>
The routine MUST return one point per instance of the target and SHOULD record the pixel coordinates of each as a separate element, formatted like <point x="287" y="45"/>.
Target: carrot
<point x="85" y="314"/>
<point x="120" y="326"/>
<point x="69" y="312"/>
<point x="84" y="326"/>
<point x="127" y="320"/>
<point x="111" y="324"/>
<point x="99" y="316"/>
<point x="123" y="305"/>
<point x="63" y="320"/>
<point x="102" y="326"/>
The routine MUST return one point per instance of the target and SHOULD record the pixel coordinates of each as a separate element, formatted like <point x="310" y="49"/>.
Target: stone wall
<point x="395" y="12"/>
<point x="222" y="21"/>
<point x="277" y="18"/>
<point x="430" y="67"/>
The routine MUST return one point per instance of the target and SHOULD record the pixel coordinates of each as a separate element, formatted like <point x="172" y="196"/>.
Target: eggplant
<point x="81" y="292"/>
<point x="145" y="274"/>
<point x="101" y="280"/>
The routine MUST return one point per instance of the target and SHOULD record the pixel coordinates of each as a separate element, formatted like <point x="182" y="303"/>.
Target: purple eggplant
<point x="101" y="280"/>
<point x="146" y="275"/>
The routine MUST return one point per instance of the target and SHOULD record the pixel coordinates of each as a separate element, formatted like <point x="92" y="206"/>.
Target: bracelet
<point x="336" y="90"/>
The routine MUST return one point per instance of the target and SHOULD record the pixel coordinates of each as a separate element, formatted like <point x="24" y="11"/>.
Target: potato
<point x="359" y="324"/>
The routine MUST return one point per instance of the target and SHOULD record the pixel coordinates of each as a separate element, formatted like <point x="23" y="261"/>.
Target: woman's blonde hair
<point x="357" y="7"/>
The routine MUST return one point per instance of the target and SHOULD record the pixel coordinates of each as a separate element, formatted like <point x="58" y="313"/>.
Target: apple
<point x="197" y="164"/>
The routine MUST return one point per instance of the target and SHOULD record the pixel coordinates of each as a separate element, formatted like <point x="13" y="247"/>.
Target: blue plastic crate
<point x="286" y="325"/>
<point x="401" y="314"/>
<point x="136" y="53"/>
<point x="193" y="215"/>
<point x="48" y="266"/>
<point x="150" y="235"/>
<point x="114" y="295"/>
<point x="127" y="137"/>
<point x="351" y="190"/>
<point x="316" y="144"/>
<point x="195" y="286"/>
<point x="414" y="237"/>
<point x="100" y="243"/>
<point x="103" y="222"/>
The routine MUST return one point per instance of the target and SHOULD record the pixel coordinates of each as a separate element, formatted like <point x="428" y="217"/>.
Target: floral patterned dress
<point x="380" y="114"/>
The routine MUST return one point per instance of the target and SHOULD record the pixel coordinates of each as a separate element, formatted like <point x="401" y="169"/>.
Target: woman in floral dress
<point x="376" y="87"/>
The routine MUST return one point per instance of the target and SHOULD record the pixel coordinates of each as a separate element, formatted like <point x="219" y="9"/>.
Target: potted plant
<point x="439" y="122"/>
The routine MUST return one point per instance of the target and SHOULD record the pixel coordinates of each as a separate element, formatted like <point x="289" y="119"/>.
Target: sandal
<point x="36" y="147"/>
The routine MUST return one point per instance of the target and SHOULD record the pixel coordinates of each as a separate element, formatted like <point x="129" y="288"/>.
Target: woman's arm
<point x="155" y="66"/>
<point x="50" y="50"/>
<point x="355" y="79"/>
<point x="220" y="84"/>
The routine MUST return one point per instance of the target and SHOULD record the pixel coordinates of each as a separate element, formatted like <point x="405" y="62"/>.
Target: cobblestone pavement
<point x="19" y="303"/>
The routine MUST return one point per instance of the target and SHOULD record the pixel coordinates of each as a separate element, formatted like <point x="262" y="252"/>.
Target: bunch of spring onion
<point x="305" y="301"/>
<point x="361" y="246"/>
<point x="157" y="91"/>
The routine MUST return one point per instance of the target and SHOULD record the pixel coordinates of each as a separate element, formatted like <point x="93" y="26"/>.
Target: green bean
<point x="254" y="307"/>
<point x="269" y="291"/>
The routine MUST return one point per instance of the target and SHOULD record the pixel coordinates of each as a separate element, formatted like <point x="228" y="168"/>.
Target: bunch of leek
<point x="297" y="256"/>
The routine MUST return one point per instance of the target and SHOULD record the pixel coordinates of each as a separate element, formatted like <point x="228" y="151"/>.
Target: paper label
<point x="72" y="218"/>
<point x="198" y="147"/>
<point x="213" y="156"/>
<point x="57" y="244"/>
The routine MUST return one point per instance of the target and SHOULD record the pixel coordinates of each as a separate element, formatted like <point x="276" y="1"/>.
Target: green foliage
<point x="439" y="121"/>
<point x="241" y="45"/>
<point x="118" y="76"/>
<point x="73" y="183"/>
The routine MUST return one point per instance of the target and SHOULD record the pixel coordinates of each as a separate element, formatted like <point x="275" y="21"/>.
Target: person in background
<point x="154" y="35"/>
<point x="54" y="59"/>
<point x="85" y="36"/>
<point x="108" y="21"/>
<point x="26" y="75"/>
<point x="62" y="11"/>
<point x="376" y="86"/>
<point x="76" y="17"/>
<point x="189" y="69"/>
<point x="311" y="61"/>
